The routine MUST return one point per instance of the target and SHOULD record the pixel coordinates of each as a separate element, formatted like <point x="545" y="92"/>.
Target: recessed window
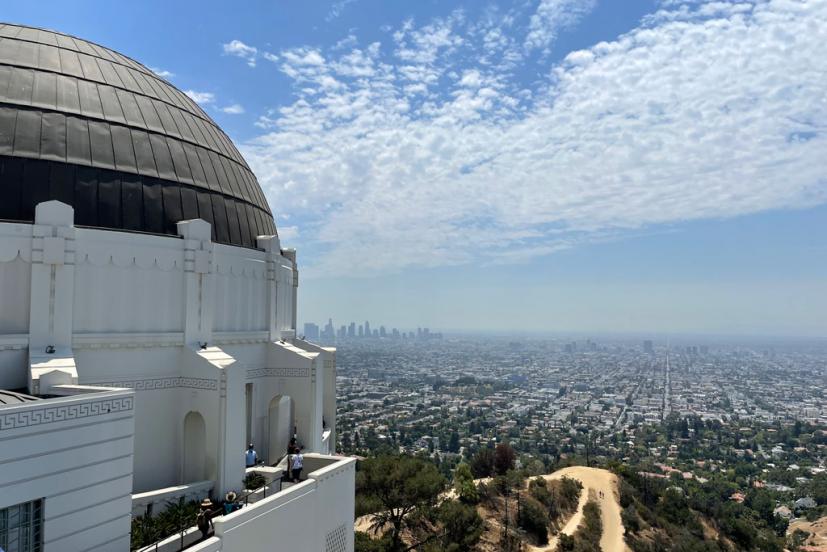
<point x="21" y="527"/>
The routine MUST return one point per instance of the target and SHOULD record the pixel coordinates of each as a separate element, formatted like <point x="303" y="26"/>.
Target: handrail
<point x="181" y="528"/>
<point x="254" y="491"/>
<point x="213" y="514"/>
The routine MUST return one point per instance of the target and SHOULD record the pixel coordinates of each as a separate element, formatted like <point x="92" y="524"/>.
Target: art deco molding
<point x="63" y="412"/>
<point x="153" y="384"/>
<point x="278" y="373"/>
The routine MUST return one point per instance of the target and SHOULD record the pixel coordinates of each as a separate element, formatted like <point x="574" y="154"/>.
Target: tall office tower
<point x="148" y="309"/>
<point x="419" y="333"/>
<point x="395" y="333"/>
<point x="311" y="330"/>
<point x="367" y="329"/>
<point x="329" y="333"/>
<point x="351" y="330"/>
<point x="382" y="332"/>
<point x="342" y="333"/>
<point x="648" y="346"/>
<point x="361" y="331"/>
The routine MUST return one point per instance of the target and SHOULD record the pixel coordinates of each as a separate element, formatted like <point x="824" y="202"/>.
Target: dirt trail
<point x="595" y="481"/>
<point x="817" y="530"/>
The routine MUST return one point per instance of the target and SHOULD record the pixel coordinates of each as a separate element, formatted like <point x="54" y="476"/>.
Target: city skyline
<point x="478" y="155"/>
<point x="329" y="332"/>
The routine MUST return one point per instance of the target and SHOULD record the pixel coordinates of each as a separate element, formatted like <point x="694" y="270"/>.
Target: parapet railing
<point x="185" y="529"/>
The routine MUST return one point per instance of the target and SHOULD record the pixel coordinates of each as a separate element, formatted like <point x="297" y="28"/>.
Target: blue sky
<point x="583" y="165"/>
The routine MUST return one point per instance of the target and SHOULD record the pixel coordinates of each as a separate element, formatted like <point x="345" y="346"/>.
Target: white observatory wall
<point x="75" y="453"/>
<point x="137" y="311"/>
<point x="284" y="300"/>
<point x="152" y="370"/>
<point x="15" y="290"/>
<point x="15" y="274"/>
<point x="128" y="283"/>
<point x="239" y="290"/>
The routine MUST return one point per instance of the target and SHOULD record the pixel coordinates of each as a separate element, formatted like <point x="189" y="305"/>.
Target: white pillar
<point x="291" y="254"/>
<point x="198" y="265"/>
<point x="272" y="249"/>
<point x="52" y="296"/>
<point x="53" y="276"/>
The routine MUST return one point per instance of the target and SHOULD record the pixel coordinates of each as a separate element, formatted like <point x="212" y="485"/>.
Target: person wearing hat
<point x="229" y="502"/>
<point x="250" y="456"/>
<point x="204" y="518"/>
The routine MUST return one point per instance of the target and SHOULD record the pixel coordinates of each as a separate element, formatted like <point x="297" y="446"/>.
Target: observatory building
<point x="147" y="320"/>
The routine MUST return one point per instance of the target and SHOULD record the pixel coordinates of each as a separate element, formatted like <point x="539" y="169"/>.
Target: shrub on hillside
<point x="569" y="493"/>
<point x="462" y="526"/>
<point x="482" y="464"/>
<point x="464" y="485"/>
<point x="504" y="459"/>
<point x="534" y="519"/>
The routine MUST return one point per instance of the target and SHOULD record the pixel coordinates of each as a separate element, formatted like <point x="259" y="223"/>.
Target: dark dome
<point x="92" y="128"/>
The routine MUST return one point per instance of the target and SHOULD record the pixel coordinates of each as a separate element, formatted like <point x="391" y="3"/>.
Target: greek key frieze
<point x="63" y="412"/>
<point x="278" y="373"/>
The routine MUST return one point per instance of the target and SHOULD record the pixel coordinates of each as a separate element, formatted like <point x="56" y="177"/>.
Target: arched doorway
<point x="280" y="415"/>
<point x="195" y="448"/>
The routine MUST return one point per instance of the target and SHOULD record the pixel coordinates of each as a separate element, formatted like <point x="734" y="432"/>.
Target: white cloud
<point x="551" y="17"/>
<point x="163" y="73"/>
<point x="288" y="233"/>
<point x="201" y="98"/>
<point x="337" y="8"/>
<point x="234" y="109"/>
<point x="697" y="113"/>
<point x="239" y="49"/>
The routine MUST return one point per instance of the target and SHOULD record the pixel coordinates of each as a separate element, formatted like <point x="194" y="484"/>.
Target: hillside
<point x="598" y="485"/>
<point x="574" y="509"/>
<point x="603" y="484"/>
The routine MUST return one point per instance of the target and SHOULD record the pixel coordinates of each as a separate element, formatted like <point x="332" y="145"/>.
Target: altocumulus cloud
<point x="707" y="109"/>
<point x="202" y="98"/>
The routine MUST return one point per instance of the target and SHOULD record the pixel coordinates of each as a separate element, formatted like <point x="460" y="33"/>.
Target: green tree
<point x="464" y="485"/>
<point x="400" y="486"/>
<point x="504" y="458"/>
<point x="534" y="519"/>
<point x="482" y="464"/>
<point x="364" y="543"/>
<point x="453" y="442"/>
<point x="462" y="526"/>
<point x="817" y="488"/>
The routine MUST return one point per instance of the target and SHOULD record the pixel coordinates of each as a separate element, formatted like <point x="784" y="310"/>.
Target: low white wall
<point x="160" y="499"/>
<point x="76" y="454"/>
<point x="315" y="515"/>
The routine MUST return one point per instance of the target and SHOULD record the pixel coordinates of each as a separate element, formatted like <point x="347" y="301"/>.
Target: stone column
<point x="52" y="297"/>
<point x="198" y="261"/>
<point x="291" y="254"/>
<point x="272" y="249"/>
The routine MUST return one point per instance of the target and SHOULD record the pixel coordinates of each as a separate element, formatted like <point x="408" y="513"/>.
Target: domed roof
<point x="95" y="129"/>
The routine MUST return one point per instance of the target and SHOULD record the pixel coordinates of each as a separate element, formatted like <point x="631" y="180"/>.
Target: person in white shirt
<point x="250" y="456"/>
<point x="298" y="464"/>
